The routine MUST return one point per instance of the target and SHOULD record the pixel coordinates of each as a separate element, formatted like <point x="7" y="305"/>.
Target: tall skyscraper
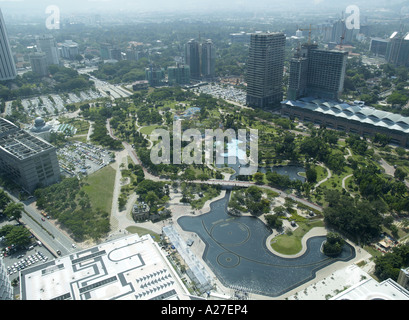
<point x="38" y="61"/>
<point x="7" y="66"/>
<point x="208" y="59"/>
<point x="265" y="68"/>
<point x="316" y="72"/>
<point x="192" y="58"/>
<point x="47" y="44"/>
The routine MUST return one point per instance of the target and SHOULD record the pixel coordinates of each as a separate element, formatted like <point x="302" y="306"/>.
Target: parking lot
<point x="227" y="92"/>
<point x="82" y="158"/>
<point x="55" y="104"/>
<point x="16" y="260"/>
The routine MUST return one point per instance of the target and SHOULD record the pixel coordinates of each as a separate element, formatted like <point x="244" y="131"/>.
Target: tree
<point x="400" y="174"/>
<point x="274" y="221"/>
<point x="14" y="210"/>
<point x="333" y="245"/>
<point x="311" y="174"/>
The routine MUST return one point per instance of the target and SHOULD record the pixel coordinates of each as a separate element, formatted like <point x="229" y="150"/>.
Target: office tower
<point x="104" y="51"/>
<point x="192" y="58"/>
<point x="7" y="66"/>
<point x="326" y="73"/>
<point x="297" y="81"/>
<point x="115" y="54"/>
<point x="316" y="72"/>
<point x="69" y="50"/>
<point x="155" y="76"/>
<point x="208" y="59"/>
<point x="26" y="159"/>
<point x="397" y="51"/>
<point x="179" y="75"/>
<point x="378" y="46"/>
<point x="38" y="62"/>
<point x="265" y="68"/>
<point x="47" y="44"/>
<point x="6" y="291"/>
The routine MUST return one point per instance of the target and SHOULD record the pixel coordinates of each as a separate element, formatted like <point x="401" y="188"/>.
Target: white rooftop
<point x="130" y="268"/>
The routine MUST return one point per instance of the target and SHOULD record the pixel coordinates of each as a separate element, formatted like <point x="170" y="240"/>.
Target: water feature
<point x="236" y="252"/>
<point x="293" y="172"/>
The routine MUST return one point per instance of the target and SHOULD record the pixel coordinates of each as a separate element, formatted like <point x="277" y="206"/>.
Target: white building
<point x="129" y="268"/>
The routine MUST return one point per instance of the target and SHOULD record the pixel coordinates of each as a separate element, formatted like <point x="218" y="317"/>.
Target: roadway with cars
<point x="53" y="240"/>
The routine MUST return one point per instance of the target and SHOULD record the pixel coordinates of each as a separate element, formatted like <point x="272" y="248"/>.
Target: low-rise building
<point x="355" y="118"/>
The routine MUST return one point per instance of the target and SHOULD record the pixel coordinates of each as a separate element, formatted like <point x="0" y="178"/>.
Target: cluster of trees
<point x="18" y="235"/>
<point x="68" y="79"/>
<point x="250" y="200"/>
<point x="333" y="244"/>
<point x="374" y="186"/>
<point x="71" y="206"/>
<point x="122" y="71"/>
<point x="389" y="265"/>
<point x="360" y="220"/>
<point x="153" y="193"/>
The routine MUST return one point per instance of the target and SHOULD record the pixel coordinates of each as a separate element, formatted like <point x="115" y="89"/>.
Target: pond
<point x="293" y="172"/>
<point x="236" y="252"/>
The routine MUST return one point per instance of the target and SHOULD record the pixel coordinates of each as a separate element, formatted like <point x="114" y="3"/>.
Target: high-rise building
<point x="38" y="61"/>
<point x="69" y="50"/>
<point x="208" y="59"/>
<point x="397" y="50"/>
<point x="179" y="75"/>
<point x="104" y="51"/>
<point x="47" y="44"/>
<point x="316" y="72"/>
<point x="7" y="66"/>
<point x="192" y="58"/>
<point x="28" y="160"/>
<point x="326" y="73"/>
<point x="155" y="76"/>
<point x="378" y="46"/>
<point x="265" y="68"/>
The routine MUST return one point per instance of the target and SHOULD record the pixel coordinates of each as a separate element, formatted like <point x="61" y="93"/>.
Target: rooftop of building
<point x="129" y="268"/>
<point x="19" y="143"/>
<point x="357" y="112"/>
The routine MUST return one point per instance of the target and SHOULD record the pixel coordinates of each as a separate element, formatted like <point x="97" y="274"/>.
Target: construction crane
<point x="342" y="37"/>
<point x="309" y="32"/>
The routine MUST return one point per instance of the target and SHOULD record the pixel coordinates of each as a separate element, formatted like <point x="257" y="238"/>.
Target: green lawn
<point x="148" y="130"/>
<point x="291" y="243"/>
<point x="100" y="188"/>
<point x="142" y="231"/>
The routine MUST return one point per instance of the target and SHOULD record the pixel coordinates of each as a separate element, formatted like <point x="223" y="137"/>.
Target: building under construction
<point x="25" y="159"/>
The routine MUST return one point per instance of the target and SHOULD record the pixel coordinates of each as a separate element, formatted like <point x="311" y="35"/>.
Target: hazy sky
<point x="112" y="6"/>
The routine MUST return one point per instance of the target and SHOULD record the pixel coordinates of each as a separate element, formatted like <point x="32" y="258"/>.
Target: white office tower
<point x="7" y="65"/>
<point x="6" y="292"/>
<point x="47" y="44"/>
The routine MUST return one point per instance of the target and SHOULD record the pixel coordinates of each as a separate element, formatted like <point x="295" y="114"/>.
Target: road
<point x="45" y="231"/>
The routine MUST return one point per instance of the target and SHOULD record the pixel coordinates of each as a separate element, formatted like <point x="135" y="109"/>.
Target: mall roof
<point x="355" y="112"/>
<point x="129" y="268"/>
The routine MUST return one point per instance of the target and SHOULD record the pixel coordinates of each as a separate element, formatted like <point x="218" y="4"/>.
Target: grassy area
<point x="100" y="188"/>
<point x="142" y="231"/>
<point x="148" y="130"/>
<point x="291" y="243"/>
